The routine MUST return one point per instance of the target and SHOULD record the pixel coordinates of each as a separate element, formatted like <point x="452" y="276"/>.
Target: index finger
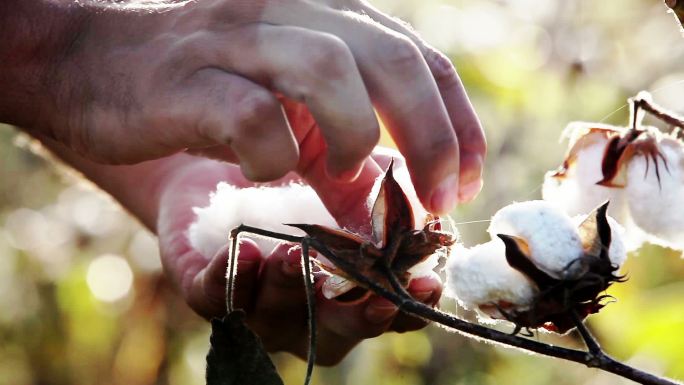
<point x="405" y="94"/>
<point x="471" y="138"/>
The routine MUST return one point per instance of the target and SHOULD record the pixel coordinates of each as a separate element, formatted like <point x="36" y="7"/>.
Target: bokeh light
<point x="109" y="278"/>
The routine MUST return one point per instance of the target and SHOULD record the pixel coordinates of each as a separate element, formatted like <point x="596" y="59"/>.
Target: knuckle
<point x="441" y="67"/>
<point x="329" y="58"/>
<point x="355" y="145"/>
<point x="399" y="53"/>
<point x="250" y="110"/>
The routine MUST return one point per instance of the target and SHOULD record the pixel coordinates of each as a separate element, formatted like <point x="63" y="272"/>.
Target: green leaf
<point x="236" y="355"/>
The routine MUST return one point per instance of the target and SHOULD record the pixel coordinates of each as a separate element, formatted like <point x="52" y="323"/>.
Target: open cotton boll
<point x="480" y="278"/>
<point x="263" y="207"/>
<point x="577" y="192"/>
<point x="657" y="204"/>
<point x="551" y="235"/>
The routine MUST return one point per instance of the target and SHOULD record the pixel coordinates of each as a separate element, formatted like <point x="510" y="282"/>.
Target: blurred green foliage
<point x="529" y="66"/>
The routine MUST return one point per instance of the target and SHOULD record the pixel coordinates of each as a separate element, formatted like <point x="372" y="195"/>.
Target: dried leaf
<point x="236" y="355"/>
<point x="595" y="232"/>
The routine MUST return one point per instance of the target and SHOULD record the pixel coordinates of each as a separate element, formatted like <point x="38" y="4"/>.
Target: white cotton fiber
<point x="657" y="207"/>
<point x="577" y="192"/>
<point x="264" y="207"/>
<point x="551" y="235"/>
<point x="269" y="208"/>
<point x="481" y="276"/>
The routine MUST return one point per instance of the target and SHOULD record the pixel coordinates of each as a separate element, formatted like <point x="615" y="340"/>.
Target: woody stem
<point x="416" y="308"/>
<point x="659" y="112"/>
<point x="587" y="337"/>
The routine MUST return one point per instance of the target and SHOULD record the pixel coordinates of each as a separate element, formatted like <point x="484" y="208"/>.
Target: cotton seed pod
<point x="271" y="207"/>
<point x="548" y="268"/>
<point x="401" y="243"/>
<point x="638" y="170"/>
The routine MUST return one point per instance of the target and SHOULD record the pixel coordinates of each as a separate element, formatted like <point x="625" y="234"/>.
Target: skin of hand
<point x="161" y="194"/>
<point x="270" y="288"/>
<point x="124" y="82"/>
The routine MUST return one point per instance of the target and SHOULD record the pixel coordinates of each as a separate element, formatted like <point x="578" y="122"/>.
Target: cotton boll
<point x="263" y="207"/>
<point x="550" y="234"/>
<point x="480" y="277"/>
<point x="657" y="205"/>
<point x="577" y="192"/>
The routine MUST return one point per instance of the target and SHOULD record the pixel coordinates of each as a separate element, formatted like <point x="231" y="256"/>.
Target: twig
<point x="587" y="337"/>
<point x="408" y="305"/>
<point x="642" y="102"/>
<point x="311" y="308"/>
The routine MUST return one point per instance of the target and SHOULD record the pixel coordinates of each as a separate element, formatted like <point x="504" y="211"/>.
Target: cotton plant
<point x="638" y="168"/>
<point x="541" y="268"/>
<point x="272" y="208"/>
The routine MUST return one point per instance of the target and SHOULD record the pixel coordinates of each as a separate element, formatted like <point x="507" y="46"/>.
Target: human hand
<point x="122" y="84"/>
<point x="270" y="287"/>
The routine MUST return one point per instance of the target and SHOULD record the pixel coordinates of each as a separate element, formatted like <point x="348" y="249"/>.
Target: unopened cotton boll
<point x="550" y="233"/>
<point x="479" y="278"/>
<point x="267" y="208"/>
<point x="655" y="193"/>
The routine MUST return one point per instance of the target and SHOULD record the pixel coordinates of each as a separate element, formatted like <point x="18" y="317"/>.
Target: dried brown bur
<point x="395" y="245"/>
<point x="577" y="293"/>
<point x="623" y="145"/>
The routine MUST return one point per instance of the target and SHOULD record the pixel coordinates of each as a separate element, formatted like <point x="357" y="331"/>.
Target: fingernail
<point x="469" y="191"/>
<point x="380" y="310"/>
<point x="445" y="196"/>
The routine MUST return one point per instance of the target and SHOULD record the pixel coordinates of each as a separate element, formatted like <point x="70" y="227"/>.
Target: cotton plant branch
<point x="594" y="357"/>
<point x="643" y="100"/>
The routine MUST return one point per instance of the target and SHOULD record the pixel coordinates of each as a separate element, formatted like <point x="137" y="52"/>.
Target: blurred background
<point x="82" y="299"/>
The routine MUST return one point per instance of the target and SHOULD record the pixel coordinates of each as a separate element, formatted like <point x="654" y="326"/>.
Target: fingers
<point x="207" y="295"/>
<point x="424" y="289"/>
<point x="314" y="68"/>
<point x="405" y="94"/>
<point x="345" y="201"/>
<point x="281" y="299"/>
<point x="471" y="137"/>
